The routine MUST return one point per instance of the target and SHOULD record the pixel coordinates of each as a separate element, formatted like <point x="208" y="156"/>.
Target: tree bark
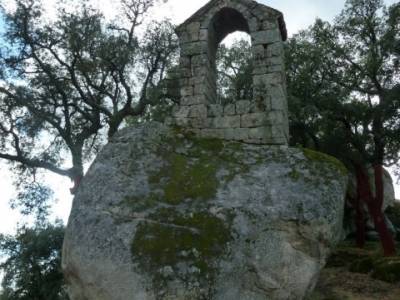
<point x="359" y="221"/>
<point x="374" y="205"/>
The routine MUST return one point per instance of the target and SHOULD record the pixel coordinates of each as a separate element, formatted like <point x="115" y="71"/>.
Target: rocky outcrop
<point x="162" y="215"/>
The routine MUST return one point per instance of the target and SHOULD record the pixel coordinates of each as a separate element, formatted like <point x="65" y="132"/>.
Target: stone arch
<point x="262" y="119"/>
<point x="227" y="20"/>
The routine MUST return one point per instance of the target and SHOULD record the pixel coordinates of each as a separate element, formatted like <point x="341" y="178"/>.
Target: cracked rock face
<point x="161" y="215"/>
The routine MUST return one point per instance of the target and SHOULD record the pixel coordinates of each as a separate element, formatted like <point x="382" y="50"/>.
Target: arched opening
<point x="234" y="67"/>
<point x="224" y="23"/>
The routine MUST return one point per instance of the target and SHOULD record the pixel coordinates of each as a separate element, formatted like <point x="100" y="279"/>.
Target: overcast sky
<point x="299" y="14"/>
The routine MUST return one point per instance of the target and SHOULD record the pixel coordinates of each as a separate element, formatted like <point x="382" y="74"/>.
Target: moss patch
<point x="387" y="269"/>
<point x="294" y="174"/>
<point x="189" y="244"/>
<point x="322" y="157"/>
<point x="187" y="178"/>
<point x="190" y="169"/>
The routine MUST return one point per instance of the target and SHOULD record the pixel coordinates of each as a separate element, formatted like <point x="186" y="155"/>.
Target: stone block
<point x="184" y="61"/>
<point x="183" y="122"/>
<point x="260" y="14"/>
<point x="203" y="35"/>
<point x="276" y="141"/>
<point x="255" y="141"/>
<point x="197" y="79"/>
<point x="269" y="24"/>
<point x="212" y="133"/>
<point x="260" y="70"/>
<point x="198" y="60"/>
<point x="194" y="48"/>
<point x="227" y="122"/>
<point x="258" y="105"/>
<point x="198" y="111"/>
<point x="193" y="29"/>
<point x="185" y="72"/>
<point x="253" y="120"/>
<point x="229" y="109"/>
<point x="258" y="52"/>
<point x="243" y="106"/>
<point x="237" y="134"/>
<point x="186" y="91"/>
<point x="194" y="131"/>
<point x="254" y="24"/>
<point x="275" y="117"/>
<point x="268" y="79"/>
<point x="278" y="97"/>
<point x="200" y="71"/>
<point x="275" y="49"/>
<point x="278" y="103"/>
<point x="275" y="68"/>
<point x="260" y="132"/>
<point x="215" y="110"/>
<point x="200" y="88"/>
<point x="277" y="131"/>
<point x="193" y="100"/>
<point x="197" y="122"/>
<point x="181" y="111"/>
<point x="266" y="37"/>
<point x="169" y="121"/>
<point x="275" y="60"/>
<point x="183" y="82"/>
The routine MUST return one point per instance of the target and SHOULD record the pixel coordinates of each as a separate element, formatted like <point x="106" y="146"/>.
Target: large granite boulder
<point x="162" y="215"/>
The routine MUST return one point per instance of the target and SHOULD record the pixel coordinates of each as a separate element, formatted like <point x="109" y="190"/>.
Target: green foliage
<point x="33" y="199"/>
<point x="32" y="264"/>
<point x="322" y="157"/>
<point x="342" y="82"/>
<point x="234" y="71"/>
<point x="67" y="83"/>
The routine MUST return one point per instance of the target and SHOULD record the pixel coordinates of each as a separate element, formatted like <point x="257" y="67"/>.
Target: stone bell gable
<point x="262" y="119"/>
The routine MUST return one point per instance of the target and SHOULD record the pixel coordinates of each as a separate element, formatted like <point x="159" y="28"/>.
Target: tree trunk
<point x="374" y="205"/>
<point x="360" y="224"/>
<point x="77" y="169"/>
<point x="77" y="182"/>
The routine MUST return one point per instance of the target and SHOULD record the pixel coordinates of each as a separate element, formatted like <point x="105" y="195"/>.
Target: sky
<point x="299" y="14"/>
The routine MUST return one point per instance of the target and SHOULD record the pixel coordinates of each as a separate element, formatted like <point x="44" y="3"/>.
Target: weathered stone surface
<point x="181" y="111"/>
<point x="200" y="37"/>
<point x="253" y="120"/>
<point x="163" y="216"/>
<point x="198" y="111"/>
<point x="197" y="99"/>
<point x="243" y="106"/>
<point x="187" y="91"/>
<point x="227" y="122"/>
<point x="266" y="37"/>
<point x="229" y="109"/>
<point x="260" y="132"/>
<point x="215" y="110"/>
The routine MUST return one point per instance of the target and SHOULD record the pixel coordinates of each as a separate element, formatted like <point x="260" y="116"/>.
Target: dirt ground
<point x="337" y="282"/>
<point x="340" y="284"/>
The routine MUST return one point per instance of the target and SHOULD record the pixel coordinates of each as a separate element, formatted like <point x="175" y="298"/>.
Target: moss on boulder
<point x="164" y="215"/>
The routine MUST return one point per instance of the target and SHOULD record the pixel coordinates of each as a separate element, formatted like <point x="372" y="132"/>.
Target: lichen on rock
<point x="163" y="215"/>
